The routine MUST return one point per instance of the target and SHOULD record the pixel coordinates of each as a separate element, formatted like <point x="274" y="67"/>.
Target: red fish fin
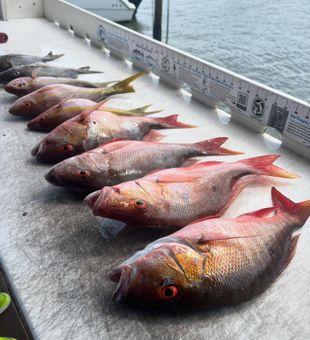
<point x="238" y="187"/>
<point x="153" y="136"/>
<point x="263" y="165"/>
<point x="266" y="212"/>
<point x="172" y="122"/>
<point x="189" y="162"/>
<point x="204" y="219"/>
<point x="95" y="107"/>
<point x="221" y="236"/>
<point x="213" y="147"/>
<point x="205" y="164"/>
<point x="173" y="178"/>
<point x="111" y="146"/>
<point x="291" y="251"/>
<point x="301" y="210"/>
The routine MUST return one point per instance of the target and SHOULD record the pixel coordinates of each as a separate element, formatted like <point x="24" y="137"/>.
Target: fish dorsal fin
<point x="193" y="163"/>
<point x="266" y="212"/>
<point x="205" y="218"/>
<point x="183" y="175"/>
<point x="189" y="163"/>
<point x="204" y="164"/>
<point x="87" y="112"/>
<point x="112" y="145"/>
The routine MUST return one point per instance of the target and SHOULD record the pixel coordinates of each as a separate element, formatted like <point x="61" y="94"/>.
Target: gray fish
<point x="11" y="60"/>
<point x="41" y="70"/>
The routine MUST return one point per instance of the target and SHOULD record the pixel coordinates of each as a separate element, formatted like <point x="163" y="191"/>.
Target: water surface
<point x="265" y="40"/>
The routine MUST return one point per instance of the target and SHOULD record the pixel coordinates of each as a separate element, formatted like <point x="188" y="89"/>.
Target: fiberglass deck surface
<point x="55" y="256"/>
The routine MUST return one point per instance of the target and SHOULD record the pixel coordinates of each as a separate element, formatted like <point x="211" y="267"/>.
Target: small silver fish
<point x="41" y="70"/>
<point x="11" y="60"/>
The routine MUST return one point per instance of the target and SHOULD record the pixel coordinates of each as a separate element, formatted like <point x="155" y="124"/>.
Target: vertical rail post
<point x="157" y="19"/>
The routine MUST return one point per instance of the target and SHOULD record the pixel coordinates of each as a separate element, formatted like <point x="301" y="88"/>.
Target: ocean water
<point x="265" y="40"/>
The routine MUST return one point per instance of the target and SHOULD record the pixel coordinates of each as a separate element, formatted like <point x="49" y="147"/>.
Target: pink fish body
<point x="214" y="261"/>
<point x="59" y="113"/>
<point x="25" y="85"/>
<point x="93" y="128"/>
<point x="69" y="108"/>
<point x="35" y="103"/>
<point x="120" y="161"/>
<point x="177" y="197"/>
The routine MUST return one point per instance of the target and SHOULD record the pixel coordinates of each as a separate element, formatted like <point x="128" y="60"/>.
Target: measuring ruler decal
<point x="254" y="104"/>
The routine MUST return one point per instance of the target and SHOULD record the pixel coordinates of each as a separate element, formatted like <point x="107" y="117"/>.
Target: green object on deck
<point x="7" y="338"/>
<point x="5" y="301"/>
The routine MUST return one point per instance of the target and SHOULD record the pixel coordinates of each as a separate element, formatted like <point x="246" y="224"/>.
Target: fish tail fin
<point x="263" y="165"/>
<point x="86" y="70"/>
<point x="213" y="147"/>
<point x="301" y="210"/>
<point x="104" y="84"/>
<point x="50" y="56"/>
<point x="171" y="122"/>
<point x="141" y="111"/>
<point x="124" y="86"/>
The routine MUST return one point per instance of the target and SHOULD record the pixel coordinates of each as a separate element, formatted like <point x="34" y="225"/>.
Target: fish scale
<point x="92" y="128"/>
<point x="182" y="195"/>
<point x="121" y="161"/>
<point x="214" y="261"/>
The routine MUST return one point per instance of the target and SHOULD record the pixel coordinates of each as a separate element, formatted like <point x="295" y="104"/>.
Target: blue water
<point x="265" y="40"/>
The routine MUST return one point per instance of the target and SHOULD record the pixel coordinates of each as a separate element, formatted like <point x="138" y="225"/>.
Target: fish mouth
<point x="122" y="275"/>
<point x="38" y="154"/>
<point x="97" y="201"/>
<point x="53" y="178"/>
<point x="92" y="198"/>
<point x="35" y="150"/>
<point x="9" y="89"/>
<point x="33" y="125"/>
<point x="13" y="111"/>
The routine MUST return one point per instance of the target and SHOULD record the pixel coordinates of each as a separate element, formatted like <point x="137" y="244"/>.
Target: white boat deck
<point x="55" y="256"/>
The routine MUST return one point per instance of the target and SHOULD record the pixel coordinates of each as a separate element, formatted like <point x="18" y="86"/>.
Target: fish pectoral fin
<point x="189" y="162"/>
<point x="291" y="251"/>
<point x="221" y="236"/>
<point x="266" y="212"/>
<point x="153" y="136"/>
<point x="205" y="218"/>
<point x="172" y="178"/>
